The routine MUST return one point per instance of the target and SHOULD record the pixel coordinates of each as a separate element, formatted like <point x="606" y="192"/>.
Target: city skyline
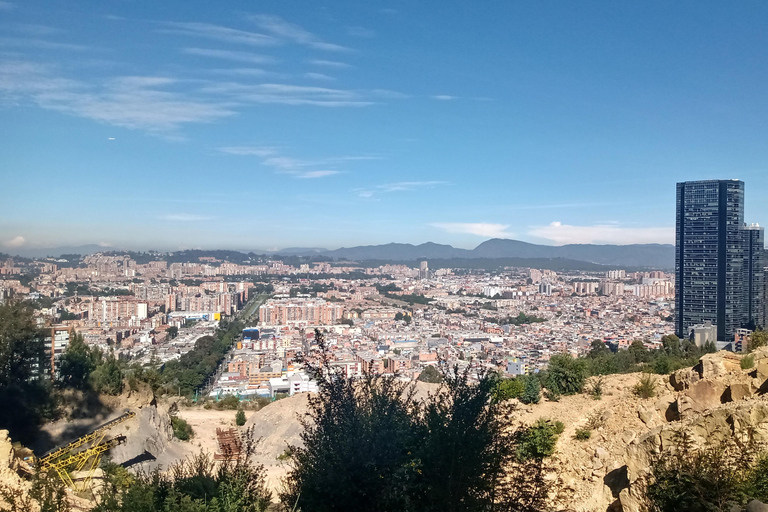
<point x="265" y="127"/>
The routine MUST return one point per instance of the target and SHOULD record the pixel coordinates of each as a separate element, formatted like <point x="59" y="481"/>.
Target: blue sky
<point x="261" y="125"/>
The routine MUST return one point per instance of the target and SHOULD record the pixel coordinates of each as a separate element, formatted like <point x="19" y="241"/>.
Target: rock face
<point x="9" y="479"/>
<point x="147" y="435"/>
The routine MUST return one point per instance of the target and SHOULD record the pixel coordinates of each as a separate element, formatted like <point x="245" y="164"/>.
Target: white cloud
<point x="443" y="97"/>
<point x="484" y="229"/>
<point x="184" y="217"/>
<point x="329" y="63"/>
<point x="249" y="150"/>
<point x="318" y="76"/>
<point x="296" y="167"/>
<point x="288" y="94"/>
<point x="16" y="242"/>
<point x="219" y="33"/>
<point x="401" y="186"/>
<point x="316" y="174"/>
<point x="39" y="43"/>
<point x="134" y="102"/>
<point x="606" y="233"/>
<point x="253" y="58"/>
<point x="7" y="6"/>
<point x="291" y="32"/>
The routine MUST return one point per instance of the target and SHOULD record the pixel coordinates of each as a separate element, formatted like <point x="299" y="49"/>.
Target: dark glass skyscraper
<point x="718" y="260"/>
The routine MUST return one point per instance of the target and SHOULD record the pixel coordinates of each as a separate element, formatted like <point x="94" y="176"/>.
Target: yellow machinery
<point x="82" y="454"/>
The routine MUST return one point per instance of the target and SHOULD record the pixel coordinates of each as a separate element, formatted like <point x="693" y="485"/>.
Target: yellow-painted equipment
<point x="82" y="454"/>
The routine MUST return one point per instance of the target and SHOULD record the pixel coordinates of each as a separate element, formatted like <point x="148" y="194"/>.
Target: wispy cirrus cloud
<point x="132" y="102"/>
<point x="42" y="44"/>
<point x="361" y="32"/>
<point x="484" y="229"/>
<point x="7" y="6"/>
<point x="218" y="33"/>
<point x="605" y="233"/>
<point x="443" y="97"/>
<point x="297" y="167"/>
<point x="400" y="186"/>
<point x="292" y="32"/>
<point x="185" y="217"/>
<point x="329" y="63"/>
<point x="288" y="94"/>
<point x="319" y="76"/>
<point x="253" y="58"/>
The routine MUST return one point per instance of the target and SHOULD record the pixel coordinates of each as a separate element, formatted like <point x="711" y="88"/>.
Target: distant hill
<point x="638" y="255"/>
<point x="55" y="252"/>
<point x="626" y="256"/>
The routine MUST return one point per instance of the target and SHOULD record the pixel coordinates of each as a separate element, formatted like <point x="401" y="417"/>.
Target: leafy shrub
<point x="716" y="477"/>
<point x="582" y="434"/>
<point x="747" y="362"/>
<point x="507" y="389"/>
<point x="567" y="374"/>
<point x="181" y="429"/>
<point x="197" y="484"/>
<point x="538" y="441"/>
<point x="596" y="387"/>
<point x="595" y="420"/>
<point x="240" y="418"/>
<point x="646" y="386"/>
<point x="430" y="375"/>
<point x="229" y="402"/>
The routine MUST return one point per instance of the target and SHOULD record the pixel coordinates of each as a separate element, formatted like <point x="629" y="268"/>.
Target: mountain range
<point x="658" y="256"/>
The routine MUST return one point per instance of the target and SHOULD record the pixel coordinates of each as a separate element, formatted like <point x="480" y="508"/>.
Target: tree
<point x="398" y="316"/>
<point x="172" y="332"/>
<point x="26" y="396"/>
<point x="567" y="374"/>
<point x="758" y="338"/>
<point x="107" y="377"/>
<point x="430" y="375"/>
<point x="240" y="418"/>
<point x="76" y="364"/>
<point x="532" y="392"/>
<point x="369" y="445"/>
<point x="597" y="348"/>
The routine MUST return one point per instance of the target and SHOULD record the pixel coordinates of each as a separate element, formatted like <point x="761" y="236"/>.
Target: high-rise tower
<point x="754" y="276"/>
<point x="709" y="256"/>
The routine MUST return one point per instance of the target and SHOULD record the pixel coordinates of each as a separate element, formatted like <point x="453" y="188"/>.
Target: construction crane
<point x="82" y="454"/>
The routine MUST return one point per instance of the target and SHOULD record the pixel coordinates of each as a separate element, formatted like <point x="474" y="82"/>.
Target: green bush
<point x="229" y="403"/>
<point x="582" y="434"/>
<point x="747" y="362"/>
<point x="646" y="386"/>
<point x="532" y="392"/>
<point x="181" y="429"/>
<point x="507" y="389"/>
<point x="567" y="374"/>
<point x="538" y="441"/>
<point x="430" y="375"/>
<point x="596" y="387"/>
<point x="720" y="476"/>
<point x="240" y="418"/>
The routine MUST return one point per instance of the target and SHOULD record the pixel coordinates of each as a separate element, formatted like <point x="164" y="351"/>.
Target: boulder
<point x="705" y="394"/>
<point x="683" y="379"/>
<point x="737" y="391"/>
<point x="712" y="366"/>
<point x="757" y="506"/>
<point x="646" y="415"/>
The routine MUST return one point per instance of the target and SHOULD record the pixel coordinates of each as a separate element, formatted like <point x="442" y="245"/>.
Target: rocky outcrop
<point x="9" y="478"/>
